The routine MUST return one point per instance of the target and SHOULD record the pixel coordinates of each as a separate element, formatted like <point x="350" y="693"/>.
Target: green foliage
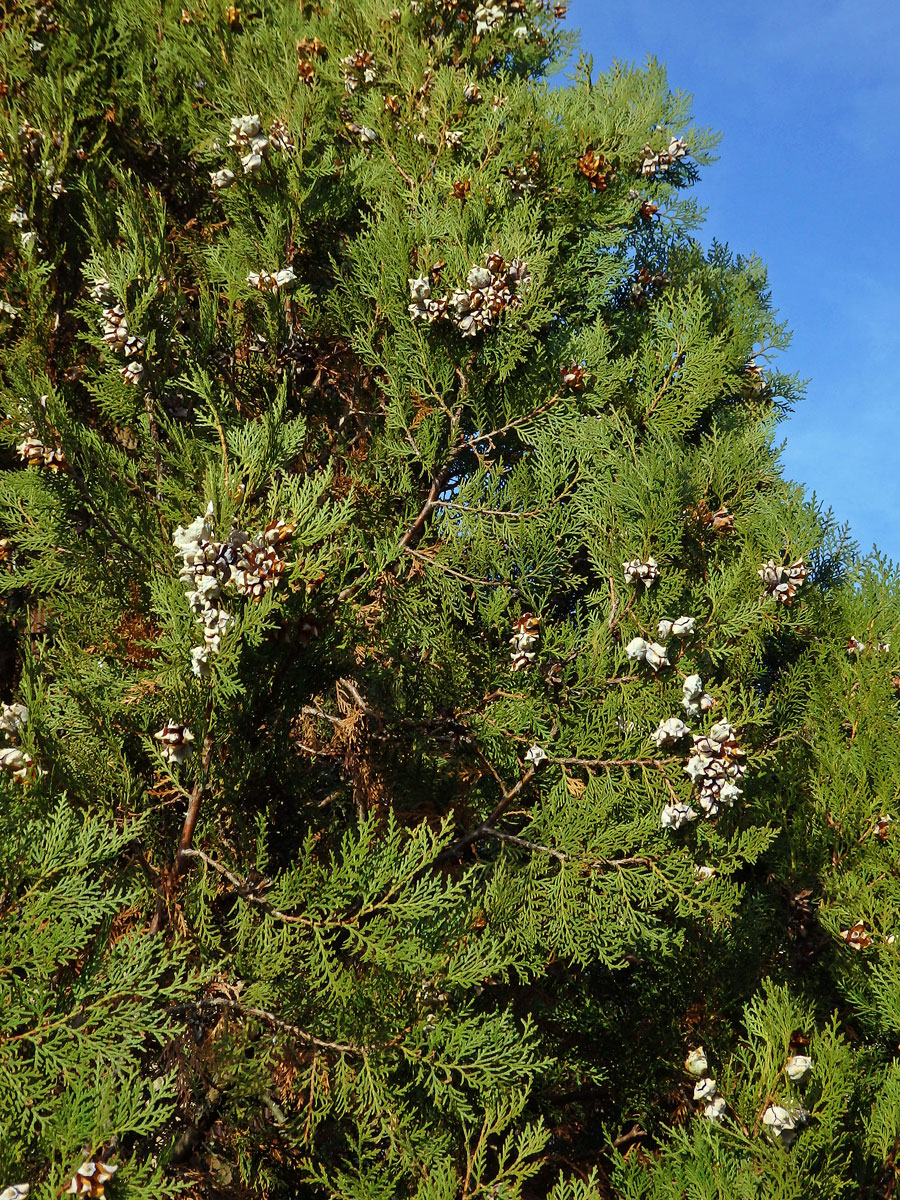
<point x="84" y="998"/>
<point x="304" y="889"/>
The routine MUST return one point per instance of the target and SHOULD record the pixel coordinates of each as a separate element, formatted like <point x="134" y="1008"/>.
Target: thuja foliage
<point x="430" y="717"/>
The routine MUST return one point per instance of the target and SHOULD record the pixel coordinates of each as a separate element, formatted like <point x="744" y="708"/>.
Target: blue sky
<point x="807" y="97"/>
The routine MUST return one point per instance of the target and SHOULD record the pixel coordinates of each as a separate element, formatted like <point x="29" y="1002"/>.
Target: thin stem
<point x="508" y="796"/>
<point x="471" y="579"/>
<point x="245" y="891"/>
<point x="515" y="840"/>
<point x="170" y="878"/>
<point x="271" y="1019"/>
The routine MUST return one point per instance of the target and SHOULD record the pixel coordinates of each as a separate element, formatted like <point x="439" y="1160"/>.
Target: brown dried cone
<point x="91" y="1178"/>
<point x="755" y="375"/>
<point x="799" y="1043"/>
<point x="524" y="640"/>
<point x="177" y="742"/>
<point x="308" y="629"/>
<point x="280" y="137"/>
<point x="638" y="571"/>
<point x="263" y="570"/>
<point x="721" y="521"/>
<point x="55" y="460"/>
<point x="310" y="47"/>
<point x="782" y="582"/>
<point x="115" y="326"/>
<point x="595" y="169"/>
<point x="33" y="452"/>
<point x="357" y="68"/>
<point x="30" y="138"/>
<point x="883" y="828"/>
<point x="528" y="624"/>
<point x="276" y="533"/>
<point x="306" y="72"/>
<point x="806" y="935"/>
<point x="857" y="936"/>
<point x="359" y="60"/>
<point x="553" y="675"/>
<point x="523" y="177"/>
<point x="646" y="285"/>
<point x="573" y="377"/>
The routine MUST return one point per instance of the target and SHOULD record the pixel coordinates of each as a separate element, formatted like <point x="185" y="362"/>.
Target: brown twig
<point x="351" y="687"/>
<point x="506" y="799"/>
<point x="309" y="711"/>
<point x="471" y="579"/>
<point x="439" y="481"/>
<point x="676" y="364"/>
<point x="407" y="177"/>
<point x="442" y="475"/>
<point x="525" y="844"/>
<point x="78" y="479"/>
<point x="504" y="512"/>
<point x="516" y="424"/>
<point x="246" y="891"/>
<point x="561" y="856"/>
<point x="271" y="1019"/>
<point x="169" y="878"/>
<point x="609" y="763"/>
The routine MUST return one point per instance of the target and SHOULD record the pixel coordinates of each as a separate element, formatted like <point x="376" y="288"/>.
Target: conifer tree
<point x="442" y="755"/>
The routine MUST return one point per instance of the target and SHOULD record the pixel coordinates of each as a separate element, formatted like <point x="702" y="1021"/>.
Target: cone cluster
<point x="693" y="698"/>
<point x="268" y="281"/>
<point x="357" y="70"/>
<point x="706" y="1091"/>
<point x="36" y="453"/>
<point x="782" y="1124"/>
<point x="249" y="566"/>
<point x="115" y="331"/>
<point x="245" y="135"/>
<point x="492" y="15"/>
<point x="654" y="654"/>
<point x="595" y="169"/>
<point x="716" y="766"/>
<point x="489" y="291"/>
<point x="661" y="160"/>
